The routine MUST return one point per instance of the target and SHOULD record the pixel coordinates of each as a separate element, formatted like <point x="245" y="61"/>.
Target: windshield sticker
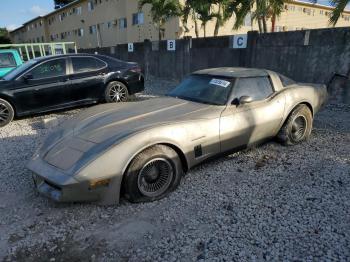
<point x="219" y="82"/>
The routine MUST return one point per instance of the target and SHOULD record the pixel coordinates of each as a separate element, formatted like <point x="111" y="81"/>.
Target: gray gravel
<point x="267" y="203"/>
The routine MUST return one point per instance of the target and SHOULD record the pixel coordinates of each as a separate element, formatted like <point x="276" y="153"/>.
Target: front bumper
<point x="60" y="187"/>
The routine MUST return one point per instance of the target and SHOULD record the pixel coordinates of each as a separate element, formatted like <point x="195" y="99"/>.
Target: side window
<point x="53" y="68"/>
<point x="86" y="64"/>
<point x="258" y="88"/>
<point x="7" y="60"/>
<point x="286" y="81"/>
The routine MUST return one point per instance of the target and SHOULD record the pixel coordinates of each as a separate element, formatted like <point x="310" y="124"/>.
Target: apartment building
<point x="103" y="23"/>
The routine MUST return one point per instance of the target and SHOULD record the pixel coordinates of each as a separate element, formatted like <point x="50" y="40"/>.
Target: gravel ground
<point x="267" y="203"/>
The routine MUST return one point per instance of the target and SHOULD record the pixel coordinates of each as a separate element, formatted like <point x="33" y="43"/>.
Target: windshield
<point x="19" y="70"/>
<point x="7" y="60"/>
<point x="204" y="89"/>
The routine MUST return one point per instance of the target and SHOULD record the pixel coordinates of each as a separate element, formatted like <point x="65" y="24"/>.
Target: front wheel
<point x="116" y="92"/>
<point x="153" y="174"/>
<point x="298" y="126"/>
<point x="6" y="113"/>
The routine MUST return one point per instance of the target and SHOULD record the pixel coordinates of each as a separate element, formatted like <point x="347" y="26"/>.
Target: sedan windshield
<point x="19" y="70"/>
<point x="204" y="89"/>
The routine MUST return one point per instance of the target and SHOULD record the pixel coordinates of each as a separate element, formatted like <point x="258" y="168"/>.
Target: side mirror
<point x="245" y="100"/>
<point x="27" y="77"/>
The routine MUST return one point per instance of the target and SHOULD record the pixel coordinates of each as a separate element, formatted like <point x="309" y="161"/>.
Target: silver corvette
<point x="141" y="150"/>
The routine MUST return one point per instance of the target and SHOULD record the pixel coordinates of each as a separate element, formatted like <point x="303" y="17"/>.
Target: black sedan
<point x="58" y="82"/>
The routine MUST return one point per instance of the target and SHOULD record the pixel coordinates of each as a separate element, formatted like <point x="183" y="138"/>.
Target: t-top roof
<point x="233" y="72"/>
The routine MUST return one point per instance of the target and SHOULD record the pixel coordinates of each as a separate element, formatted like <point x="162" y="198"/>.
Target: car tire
<point x="298" y="126"/>
<point x="152" y="174"/>
<point x="116" y="92"/>
<point x="6" y="113"/>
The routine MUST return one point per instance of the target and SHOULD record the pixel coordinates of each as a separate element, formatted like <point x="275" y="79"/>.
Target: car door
<point x="43" y="87"/>
<point x="87" y="78"/>
<point x="244" y="124"/>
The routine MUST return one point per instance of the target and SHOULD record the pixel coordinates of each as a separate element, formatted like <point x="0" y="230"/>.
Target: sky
<point x="14" y="13"/>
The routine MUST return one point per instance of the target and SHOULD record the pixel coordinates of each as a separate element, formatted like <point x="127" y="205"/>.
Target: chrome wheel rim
<point x="299" y="128"/>
<point x="4" y="113"/>
<point x="118" y="93"/>
<point x="155" y="177"/>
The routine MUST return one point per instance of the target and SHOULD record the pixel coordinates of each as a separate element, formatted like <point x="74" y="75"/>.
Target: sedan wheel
<point x="116" y="92"/>
<point x="6" y="113"/>
<point x="153" y="174"/>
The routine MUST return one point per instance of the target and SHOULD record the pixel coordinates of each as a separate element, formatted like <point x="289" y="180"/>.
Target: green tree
<point x="161" y="12"/>
<point x="339" y="7"/>
<point x="189" y="11"/>
<point x="204" y="11"/>
<point x="4" y="36"/>
<point x="264" y="9"/>
<point x="62" y="3"/>
<point x="198" y="10"/>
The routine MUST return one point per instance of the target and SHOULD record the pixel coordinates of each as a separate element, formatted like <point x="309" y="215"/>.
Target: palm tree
<point x="198" y="10"/>
<point x="161" y="12"/>
<point x="264" y="9"/>
<point x="222" y="15"/>
<point x="189" y="11"/>
<point x="339" y="7"/>
<point x="204" y="13"/>
<point x="276" y="8"/>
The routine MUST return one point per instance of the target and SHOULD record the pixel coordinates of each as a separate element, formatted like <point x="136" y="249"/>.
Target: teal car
<point x="9" y="60"/>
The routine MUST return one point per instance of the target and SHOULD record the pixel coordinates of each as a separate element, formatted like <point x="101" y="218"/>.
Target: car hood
<point x="102" y="122"/>
<point x="102" y="126"/>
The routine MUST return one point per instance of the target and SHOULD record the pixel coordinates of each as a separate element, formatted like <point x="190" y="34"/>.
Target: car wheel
<point x="153" y="174"/>
<point x="6" y="113"/>
<point x="116" y="92"/>
<point x="298" y="126"/>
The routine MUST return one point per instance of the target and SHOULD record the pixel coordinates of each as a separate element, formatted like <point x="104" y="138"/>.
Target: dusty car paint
<point x="100" y="143"/>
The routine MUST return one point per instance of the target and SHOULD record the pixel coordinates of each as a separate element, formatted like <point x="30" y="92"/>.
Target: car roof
<point x="43" y="58"/>
<point x="233" y="72"/>
<point x="8" y="50"/>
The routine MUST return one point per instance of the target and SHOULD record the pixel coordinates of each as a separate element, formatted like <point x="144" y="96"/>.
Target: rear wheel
<point x="153" y="174"/>
<point x="6" y="113"/>
<point x="298" y="126"/>
<point x="116" y="92"/>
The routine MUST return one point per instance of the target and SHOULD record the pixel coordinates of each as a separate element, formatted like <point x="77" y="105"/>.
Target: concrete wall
<point x="308" y="56"/>
<point x="313" y="56"/>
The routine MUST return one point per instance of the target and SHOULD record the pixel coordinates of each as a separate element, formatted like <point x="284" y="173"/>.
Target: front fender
<point x="113" y="163"/>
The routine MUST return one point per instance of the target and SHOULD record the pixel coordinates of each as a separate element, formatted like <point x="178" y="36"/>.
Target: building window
<point x="109" y="24"/>
<point x="79" y="10"/>
<point x="92" y="29"/>
<point x="90" y="6"/>
<point x="138" y="19"/>
<point x="307" y="11"/>
<point x="123" y="23"/>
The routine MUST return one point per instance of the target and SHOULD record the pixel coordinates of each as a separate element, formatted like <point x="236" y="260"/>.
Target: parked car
<point x="9" y="60"/>
<point x="143" y="149"/>
<point x="58" y="82"/>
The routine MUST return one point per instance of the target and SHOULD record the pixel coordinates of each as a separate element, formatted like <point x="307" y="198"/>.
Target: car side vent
<point x="198" y="151"/>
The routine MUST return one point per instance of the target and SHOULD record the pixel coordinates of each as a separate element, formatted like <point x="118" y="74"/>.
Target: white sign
<point x="171" y="45"/>
<point x="130" y="47"/>
<point x="219" y="82"/>
<point x="240" y="41"/>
